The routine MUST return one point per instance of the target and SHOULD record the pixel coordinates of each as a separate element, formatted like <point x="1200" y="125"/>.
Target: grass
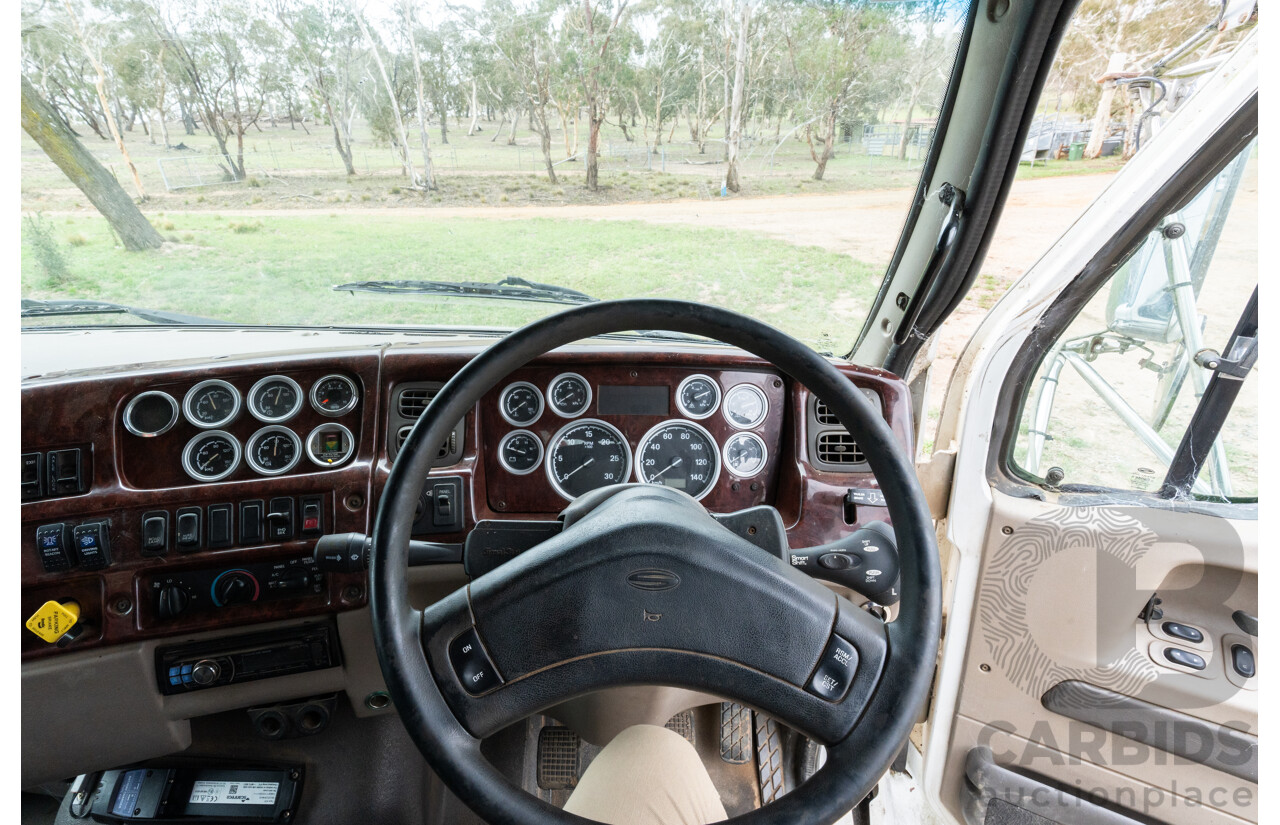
<point x="281" y="270"/>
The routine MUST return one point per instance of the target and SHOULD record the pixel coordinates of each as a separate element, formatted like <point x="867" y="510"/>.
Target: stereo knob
<point x="205" y="672"/>
<point x="235" y="587"/>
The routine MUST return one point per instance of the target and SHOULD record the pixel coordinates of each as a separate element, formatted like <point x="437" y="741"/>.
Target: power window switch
<point x="187" y="534"/>
<point x="312" y="516"/>
<point x="1185" y="658"/>
<point x="1242" y="661"/>
<point x="54" y="543"/>
<point x="93" y="544"/>
<point x="834" y="674"/>
<point x="220" y="534"/>
<point x="472" y="665"/>
<point x="1186" y="633"/>
<point x="155" y="533"/>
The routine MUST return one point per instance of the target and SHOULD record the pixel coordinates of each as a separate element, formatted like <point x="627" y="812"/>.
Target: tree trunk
<point x="428" y="174"/>
<point x="475" y="110"/>
<point x="515" y="120"/>
<point x="188" y="122"/>
<point x="544" y="132"/>
<point x="405" y="160"/>
<point x="99" y="185"/>
<point x="906" y="129"/>
<point x="731" y="181"/>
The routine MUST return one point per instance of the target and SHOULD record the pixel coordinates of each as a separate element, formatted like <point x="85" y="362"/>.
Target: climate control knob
<point x="172" y="601"/>
<point x="205" y="672"/>
<point x="235" y="587"/>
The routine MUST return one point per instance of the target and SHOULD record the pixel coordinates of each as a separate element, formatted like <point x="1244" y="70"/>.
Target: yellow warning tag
<point x="53" y="620"/>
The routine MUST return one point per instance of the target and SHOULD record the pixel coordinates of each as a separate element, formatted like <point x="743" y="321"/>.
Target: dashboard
<point x="184" y="493"/>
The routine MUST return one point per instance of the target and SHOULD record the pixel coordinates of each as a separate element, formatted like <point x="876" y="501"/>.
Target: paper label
<point x="233" y="793"/>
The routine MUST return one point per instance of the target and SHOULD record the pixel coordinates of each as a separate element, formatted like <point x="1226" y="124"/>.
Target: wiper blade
<point x="33" y="308"/>
<point x="515" y="289"/>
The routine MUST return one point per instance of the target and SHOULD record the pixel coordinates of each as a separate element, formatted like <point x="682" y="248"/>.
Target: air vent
<point x="450" y="446"/>
<point x="839" y="448"/>
<point x="413" y="401"/>
<point x="823" y="414"/>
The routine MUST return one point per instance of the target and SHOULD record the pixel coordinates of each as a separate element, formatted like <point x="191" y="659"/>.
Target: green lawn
<point x="281" y="270"/>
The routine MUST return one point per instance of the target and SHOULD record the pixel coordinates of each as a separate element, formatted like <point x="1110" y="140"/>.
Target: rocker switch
<point x="834" y="673"/>
<point x="471" y="664"/>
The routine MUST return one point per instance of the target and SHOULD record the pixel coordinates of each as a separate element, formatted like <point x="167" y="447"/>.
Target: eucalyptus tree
<point x="599" y="46"/>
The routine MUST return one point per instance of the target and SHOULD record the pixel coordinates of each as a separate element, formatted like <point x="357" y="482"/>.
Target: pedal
<point x="557" y="758"/>
<point x="735" y="733"/>
<point x="682" y="723"/>
<point x="769" y="759"/>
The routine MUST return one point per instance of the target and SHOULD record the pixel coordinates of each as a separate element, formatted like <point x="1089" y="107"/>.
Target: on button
<point x="476" y="673"/>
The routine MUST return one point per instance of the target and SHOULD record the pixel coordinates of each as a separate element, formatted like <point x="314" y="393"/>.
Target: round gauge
<point x="273" y="450"/>
<point x="211" y="456"/>
<point x="681" y="455"/>
<point x="698" y="396"/>
<point x="569" y="395"/>
<point x="334" y="395"/>
<point x="745" y="454"/>
<point x="586" y="455"/>
<point x="150" y="414"/>
<point x="520" y="452"/>
<point x="745" y="406"/>
<point x="211" y="404"/>
<point x="520" y="403"/>
<point x="330" y="445"/>
<point x="275" y="398"/>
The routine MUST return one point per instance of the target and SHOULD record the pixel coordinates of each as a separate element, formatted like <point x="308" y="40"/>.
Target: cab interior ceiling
<point x="1001" y="69"/>
<point x="1222" y="148"/>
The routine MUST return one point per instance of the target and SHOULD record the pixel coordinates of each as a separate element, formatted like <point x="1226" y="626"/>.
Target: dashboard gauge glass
<point x="745" y="455"/>
<point x="681" y="455"/>
<point x="698" y="396"/>
<point x="745" y="406"/>
<point x="150" y="414"/>
<point x="330" y="445"/>
<point x="275" y="398"/>
<point x="211" y="404"/>
<point x="586" y="455"/>
<point x="334" y="395"/>
<point x="211" y="456"/>
<point x="520" y="403"/>
<point x="520" y="452"/>
<point x="273" y="450"/>
<point x="569" y="395"/>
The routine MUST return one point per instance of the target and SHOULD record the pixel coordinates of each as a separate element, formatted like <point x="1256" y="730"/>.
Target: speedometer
<point x="681" y="455"/>
<point x="587" y="455"/>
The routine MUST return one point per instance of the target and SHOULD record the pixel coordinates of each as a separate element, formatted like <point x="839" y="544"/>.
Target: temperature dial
<point x="234" y="587"/>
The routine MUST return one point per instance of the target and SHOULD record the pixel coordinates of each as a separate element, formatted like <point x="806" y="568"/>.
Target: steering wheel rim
<point x="854" y="764"/>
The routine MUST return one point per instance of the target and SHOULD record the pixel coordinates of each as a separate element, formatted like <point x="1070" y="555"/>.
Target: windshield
<point x="690" y="149"/>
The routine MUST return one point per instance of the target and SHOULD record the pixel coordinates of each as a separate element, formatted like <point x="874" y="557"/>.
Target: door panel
<point x="1061" y="592"/>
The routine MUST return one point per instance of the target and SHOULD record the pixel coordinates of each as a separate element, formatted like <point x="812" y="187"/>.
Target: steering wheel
<point x="646" y="588"/>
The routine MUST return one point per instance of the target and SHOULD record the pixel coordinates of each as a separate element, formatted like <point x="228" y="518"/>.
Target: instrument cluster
<point x="268" y="428"/>
<point x="694" y="432"/>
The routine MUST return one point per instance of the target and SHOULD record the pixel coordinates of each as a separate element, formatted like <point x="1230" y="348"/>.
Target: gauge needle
<point x="206" y="464"/>
<point x="576" y="469"/>
<point x="658" y="474"/>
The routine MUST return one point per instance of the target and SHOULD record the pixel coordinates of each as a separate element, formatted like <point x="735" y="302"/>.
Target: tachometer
<point x="211" y="403"/>
<point x="520" y="403"/>
<point x="275" y="398"/>
<point x="698" y="396"/>
<point x="745" y="454"/>
<point x="681" y="455"/>
<point x="586" y="455"/>
<point x="569" y="394"/>
<point x="273" y="450"/>
<point x="211" y="456"/>
<point x="520" y="452"/>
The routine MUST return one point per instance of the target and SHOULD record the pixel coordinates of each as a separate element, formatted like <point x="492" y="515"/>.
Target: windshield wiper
<point x="515" y="289"/>
<point x="33" y="308"/>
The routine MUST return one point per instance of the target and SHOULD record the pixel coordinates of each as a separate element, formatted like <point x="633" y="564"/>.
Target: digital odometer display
<point x="680" y="455"/>
<point x="585" y="456"/>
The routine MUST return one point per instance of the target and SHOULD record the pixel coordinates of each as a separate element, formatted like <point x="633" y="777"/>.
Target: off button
<point x="471" y="664"/>
<point x="834" y="674"/>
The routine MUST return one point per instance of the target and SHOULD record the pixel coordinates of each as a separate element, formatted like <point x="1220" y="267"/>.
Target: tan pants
<point x="647" y="776"/>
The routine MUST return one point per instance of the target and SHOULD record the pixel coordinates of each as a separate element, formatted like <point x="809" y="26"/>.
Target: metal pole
<point x="1038" y="433"/>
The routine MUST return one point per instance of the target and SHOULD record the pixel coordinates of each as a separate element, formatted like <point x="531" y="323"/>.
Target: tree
<point x="402" y="143"/>
<point x="408" y="12"/>
<point x="594" y="62"/>
<point x="734" y="126"/>
<point x="47" y="129"/>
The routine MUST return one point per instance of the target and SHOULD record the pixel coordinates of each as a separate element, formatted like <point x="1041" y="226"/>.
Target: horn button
<point x="649" y="569"/>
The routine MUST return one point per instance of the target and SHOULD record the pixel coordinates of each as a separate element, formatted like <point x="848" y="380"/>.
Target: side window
<point x="1112" y="399"/>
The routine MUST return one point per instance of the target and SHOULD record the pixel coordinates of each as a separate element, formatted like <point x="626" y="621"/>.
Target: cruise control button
<point x="1184" y="632"/>
<point x="472" y="665"/>
<point x="1185" y="658"/>
<point x="834" y="674"/>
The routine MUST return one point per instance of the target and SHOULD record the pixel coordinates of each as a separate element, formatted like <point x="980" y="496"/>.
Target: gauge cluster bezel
<point x="202" y="436"/>
<point x="194" y="394"/>
<point x="643" y="444"/>
<point x="764" y="454"/>
<point x="251" y="460"/>
<point x="553" y="444"/>
<point x="258" y="388"/>
<point x="502" y="403"/>
<point x="502" y="452"/>
<point x="551" y="394"/>
<point x="318" y="407"/>
<point x="679" y="398"/>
